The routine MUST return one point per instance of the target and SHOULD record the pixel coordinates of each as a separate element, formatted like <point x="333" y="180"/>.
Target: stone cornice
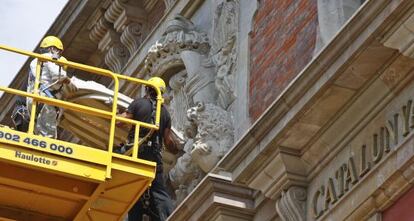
<point x="258" y="147"/>
<point x="285" y="170"/>
<point x="401" y="37"/>
<point x="216" y="195"/>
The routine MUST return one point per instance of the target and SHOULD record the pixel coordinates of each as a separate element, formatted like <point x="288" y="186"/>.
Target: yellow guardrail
<point x="112" y="115"/>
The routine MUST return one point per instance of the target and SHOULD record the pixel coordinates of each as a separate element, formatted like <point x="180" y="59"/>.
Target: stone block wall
<point x="281" y="44"/>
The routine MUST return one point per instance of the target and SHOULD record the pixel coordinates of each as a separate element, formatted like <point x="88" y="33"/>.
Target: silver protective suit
<point x="50" y="84"/>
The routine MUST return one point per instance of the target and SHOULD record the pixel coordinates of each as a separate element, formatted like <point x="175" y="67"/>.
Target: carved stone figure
<point x="214" y="134"/>
<point x="224" y="78"/>
<point x="185" y="173"/>
<point x="200" y="85"/>
<point x="210" y="135"/>
<point x="224" y="50"/>
<point x="198" y="93"/>
<point x="179" y="100"/>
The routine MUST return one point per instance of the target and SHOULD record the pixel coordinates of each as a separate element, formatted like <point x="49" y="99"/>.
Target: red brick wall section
<point x="156" y="14"/>
<point x="281" y="44"/>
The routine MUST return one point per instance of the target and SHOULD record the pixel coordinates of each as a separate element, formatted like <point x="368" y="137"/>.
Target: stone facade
<point x="286" y="110"/>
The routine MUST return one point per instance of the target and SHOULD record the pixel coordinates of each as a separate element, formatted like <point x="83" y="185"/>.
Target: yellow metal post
<point x="160" y="100"/>
<point x="112" y="128"/>
<point x="34" y="102"/>
<point x="136" y="142"/>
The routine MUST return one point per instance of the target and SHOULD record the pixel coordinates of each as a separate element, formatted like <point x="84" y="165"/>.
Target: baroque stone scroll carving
<point x="116" y="54"/>
<point x="132" y="36"/>
<point x="124" y="22"/>
<point x="115" y="10"/>
<point x="292" y="204"/>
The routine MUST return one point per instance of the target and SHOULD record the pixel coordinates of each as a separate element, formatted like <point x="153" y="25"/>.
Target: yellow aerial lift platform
<point x="49" y="179"/>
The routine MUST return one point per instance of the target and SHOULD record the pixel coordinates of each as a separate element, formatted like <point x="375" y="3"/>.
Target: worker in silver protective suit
<point x="52" y="79"/>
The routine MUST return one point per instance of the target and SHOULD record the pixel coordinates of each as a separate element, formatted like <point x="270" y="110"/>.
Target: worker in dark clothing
<point x="20" y="115"/>
<point x="155" y="203"/>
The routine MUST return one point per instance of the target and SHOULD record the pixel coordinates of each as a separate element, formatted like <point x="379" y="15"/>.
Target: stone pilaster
<point x="217" y="199"/>
<point x="292" y="204"/>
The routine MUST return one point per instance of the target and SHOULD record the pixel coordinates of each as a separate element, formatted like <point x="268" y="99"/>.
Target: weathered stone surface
<point x="323" y="110"/>
<point x="345" y="99"/>
<point x="332" y="15"/>
<point x="401" y="38"/>
<point x="207" y="128"/>
<point x="292" y="204"/>
<point x="216" y="199"/>
<point x="383" y="179"/>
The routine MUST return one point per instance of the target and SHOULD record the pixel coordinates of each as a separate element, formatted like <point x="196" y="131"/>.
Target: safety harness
<point x="145" y="141"/>
<point x="47" y="89"/>
<point x="20" y="116"/>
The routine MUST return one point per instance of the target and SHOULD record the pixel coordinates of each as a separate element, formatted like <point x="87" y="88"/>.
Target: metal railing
<point x="112" y="115"/>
